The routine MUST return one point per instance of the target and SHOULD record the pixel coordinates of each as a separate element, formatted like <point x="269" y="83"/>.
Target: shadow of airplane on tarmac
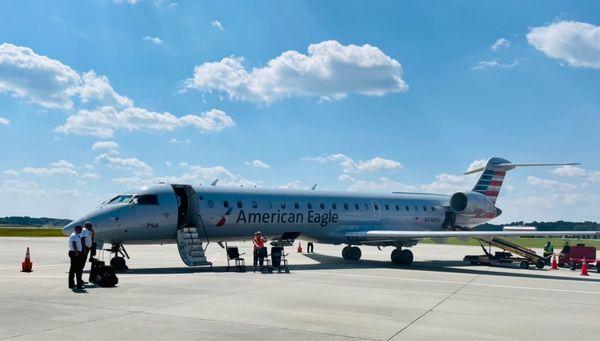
<point x="326" y="262"/>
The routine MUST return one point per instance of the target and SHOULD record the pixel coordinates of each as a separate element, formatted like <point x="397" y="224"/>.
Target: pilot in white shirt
<point x="75" y="253"/>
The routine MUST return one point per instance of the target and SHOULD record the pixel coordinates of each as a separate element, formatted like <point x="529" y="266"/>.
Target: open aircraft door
<point x="187" y="210"/>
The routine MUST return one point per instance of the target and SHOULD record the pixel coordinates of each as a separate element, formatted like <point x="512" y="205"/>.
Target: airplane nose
<point x="69" y="228"/>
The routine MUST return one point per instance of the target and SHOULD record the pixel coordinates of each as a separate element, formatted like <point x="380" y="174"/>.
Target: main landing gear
<point x="118" y="262"/>
<point x="351" y="253"/>
<point x="402" y="257"/>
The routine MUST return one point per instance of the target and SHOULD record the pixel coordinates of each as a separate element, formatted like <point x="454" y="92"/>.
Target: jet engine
<point x="473" y="204"/>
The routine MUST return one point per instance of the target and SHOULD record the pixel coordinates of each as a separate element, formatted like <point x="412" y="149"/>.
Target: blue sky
<point x="97" y="97"/>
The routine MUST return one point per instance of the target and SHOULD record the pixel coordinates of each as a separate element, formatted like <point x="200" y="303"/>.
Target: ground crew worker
<point x="548" y="251"/>
<point x="259" y="245"/>
<point x="75" y="253"/>
<point x="310" y="248"/>
<point x="87" y="239"/>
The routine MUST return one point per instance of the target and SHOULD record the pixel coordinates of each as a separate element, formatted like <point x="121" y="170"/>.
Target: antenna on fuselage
<point x="313" y="187"/>
<point x="214" y="183"/>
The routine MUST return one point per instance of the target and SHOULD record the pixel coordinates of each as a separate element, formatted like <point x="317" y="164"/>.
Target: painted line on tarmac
<point x="455" y="282"/>
<point x="37" y="266"/>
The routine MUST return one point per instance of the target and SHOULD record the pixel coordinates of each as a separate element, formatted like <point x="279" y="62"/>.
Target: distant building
<point x="519" y="228"/>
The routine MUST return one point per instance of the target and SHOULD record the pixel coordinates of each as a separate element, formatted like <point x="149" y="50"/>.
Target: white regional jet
<point x="189" y="216"/>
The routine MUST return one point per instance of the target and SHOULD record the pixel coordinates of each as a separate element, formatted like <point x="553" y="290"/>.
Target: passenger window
<point x="424" y="208"/>
<point x="407" y="208"/>
<point x="367" y="207"/>
<point x="226" y="204"/>
<point x="334" y="206"/>
<point x="387" y="207"/>
<point x="200" y="198"/>
<point x="432" y="209"/>
<point x="296" y="206"/>
<point x="269" y="204"/>
<point x="376" y="207"/>
<point x="309" y="206"/>
<point x="254" y="204"/>
<point x="357" y="207"/>
<point x="211" y="204"/>
<point x="239" y="204"/>
<point x="322" y="206"/>
<point x="397" y="208"/>
<point x="146" y="199"/>
<point x="345" y="206"/>
<point x="282" y="205"/>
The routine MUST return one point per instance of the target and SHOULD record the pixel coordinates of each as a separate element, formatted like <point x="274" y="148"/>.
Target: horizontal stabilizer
<point x="510" y="165"/>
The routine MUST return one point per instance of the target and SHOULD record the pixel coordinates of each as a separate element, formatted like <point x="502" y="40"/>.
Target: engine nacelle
<point x="474" y="205"/>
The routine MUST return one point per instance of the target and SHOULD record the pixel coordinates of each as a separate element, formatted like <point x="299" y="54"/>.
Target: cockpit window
<point x="145" y="199"/>
<point x="120" y="199"/>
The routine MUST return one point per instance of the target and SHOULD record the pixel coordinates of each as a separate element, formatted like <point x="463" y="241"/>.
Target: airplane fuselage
<point x="228" y="214"/>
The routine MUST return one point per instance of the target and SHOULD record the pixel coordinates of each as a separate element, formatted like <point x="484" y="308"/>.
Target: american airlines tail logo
<point x="224" y="217"/>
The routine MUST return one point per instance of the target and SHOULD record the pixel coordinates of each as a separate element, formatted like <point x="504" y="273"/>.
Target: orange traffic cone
<point x="299" y="247"/>
<point x="584" y="268"/>
<point x="26" y="265"/>
<point x="554" y="263"/>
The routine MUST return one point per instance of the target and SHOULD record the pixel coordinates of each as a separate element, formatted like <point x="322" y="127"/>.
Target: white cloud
<point x="10" y="172"/>
<point x="500" y="43"/>
<point x="292" y="185"/>
<point x="330" y="70"/>
<point x="109" y="145"/>
<point x="133" y="164"/>
<point x="477" y="164"/>
<point x="349" y="165"/>
<point x="545" y="183"/>
<point x="569" y="171"/>
<point x="594" y="176"/>
<point x="217" y="24"/>
<point x="493" y="64"/>
<point x="4" y="121"/>
<point x="153" y="40"/>
<point x="60" y="167"/>
<point x="192" y="174"/>
<point x="576" y="43"/>
<point x="104" y="121"/>
<point x="98" y="88"/>
<point x="176" y="141"/>
<point x="382" y="184"/>
<point x="48" y="82"/>
<point x="258" y="164"/>
<point x="90" y="176"/>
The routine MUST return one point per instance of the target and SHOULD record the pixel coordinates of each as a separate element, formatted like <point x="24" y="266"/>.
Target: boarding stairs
<point x="509" y="246"/>
<point x="190" y="247"/>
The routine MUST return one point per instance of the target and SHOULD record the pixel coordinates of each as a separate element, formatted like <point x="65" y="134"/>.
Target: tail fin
<point x="491" y="179"/>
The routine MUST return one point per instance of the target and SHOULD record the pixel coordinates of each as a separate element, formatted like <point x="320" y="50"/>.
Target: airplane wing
<point x="375" y="235"/>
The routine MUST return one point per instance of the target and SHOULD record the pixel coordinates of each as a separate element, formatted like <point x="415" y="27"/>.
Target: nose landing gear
<point x="118" y="262"/>
<point x="351" y="253"/>
<point x="402" y="257"/>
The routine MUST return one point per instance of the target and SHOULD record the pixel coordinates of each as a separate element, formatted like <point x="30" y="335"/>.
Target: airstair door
<point x="187" y="211"/>
<point x="189" y="241"/>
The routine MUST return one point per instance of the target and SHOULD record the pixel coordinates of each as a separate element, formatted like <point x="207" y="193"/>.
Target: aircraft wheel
<point x="346" y="253"/>
<point x="407" y="257"/>
<point x="355" y="253"/>
<point x="396" y="256"/>
<point x="524" y="265"/>
<point x="119" y="264"/>
<point x="402" y="257"/>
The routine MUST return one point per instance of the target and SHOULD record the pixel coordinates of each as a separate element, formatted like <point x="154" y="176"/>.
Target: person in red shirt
<point x="259" y="249"/>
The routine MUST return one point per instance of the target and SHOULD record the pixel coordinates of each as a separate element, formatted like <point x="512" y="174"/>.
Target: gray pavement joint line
<point x="435" y="306"/>
<point x="456" y="282"/>
<point x="61" y="327"/>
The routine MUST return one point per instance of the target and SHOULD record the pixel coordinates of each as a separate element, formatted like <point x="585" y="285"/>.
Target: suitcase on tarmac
<point x="96" y="270"/>
<point x="108" y="278"/>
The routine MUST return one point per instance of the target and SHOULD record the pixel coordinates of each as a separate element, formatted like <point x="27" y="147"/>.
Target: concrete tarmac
<point x="324" y="297"/>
